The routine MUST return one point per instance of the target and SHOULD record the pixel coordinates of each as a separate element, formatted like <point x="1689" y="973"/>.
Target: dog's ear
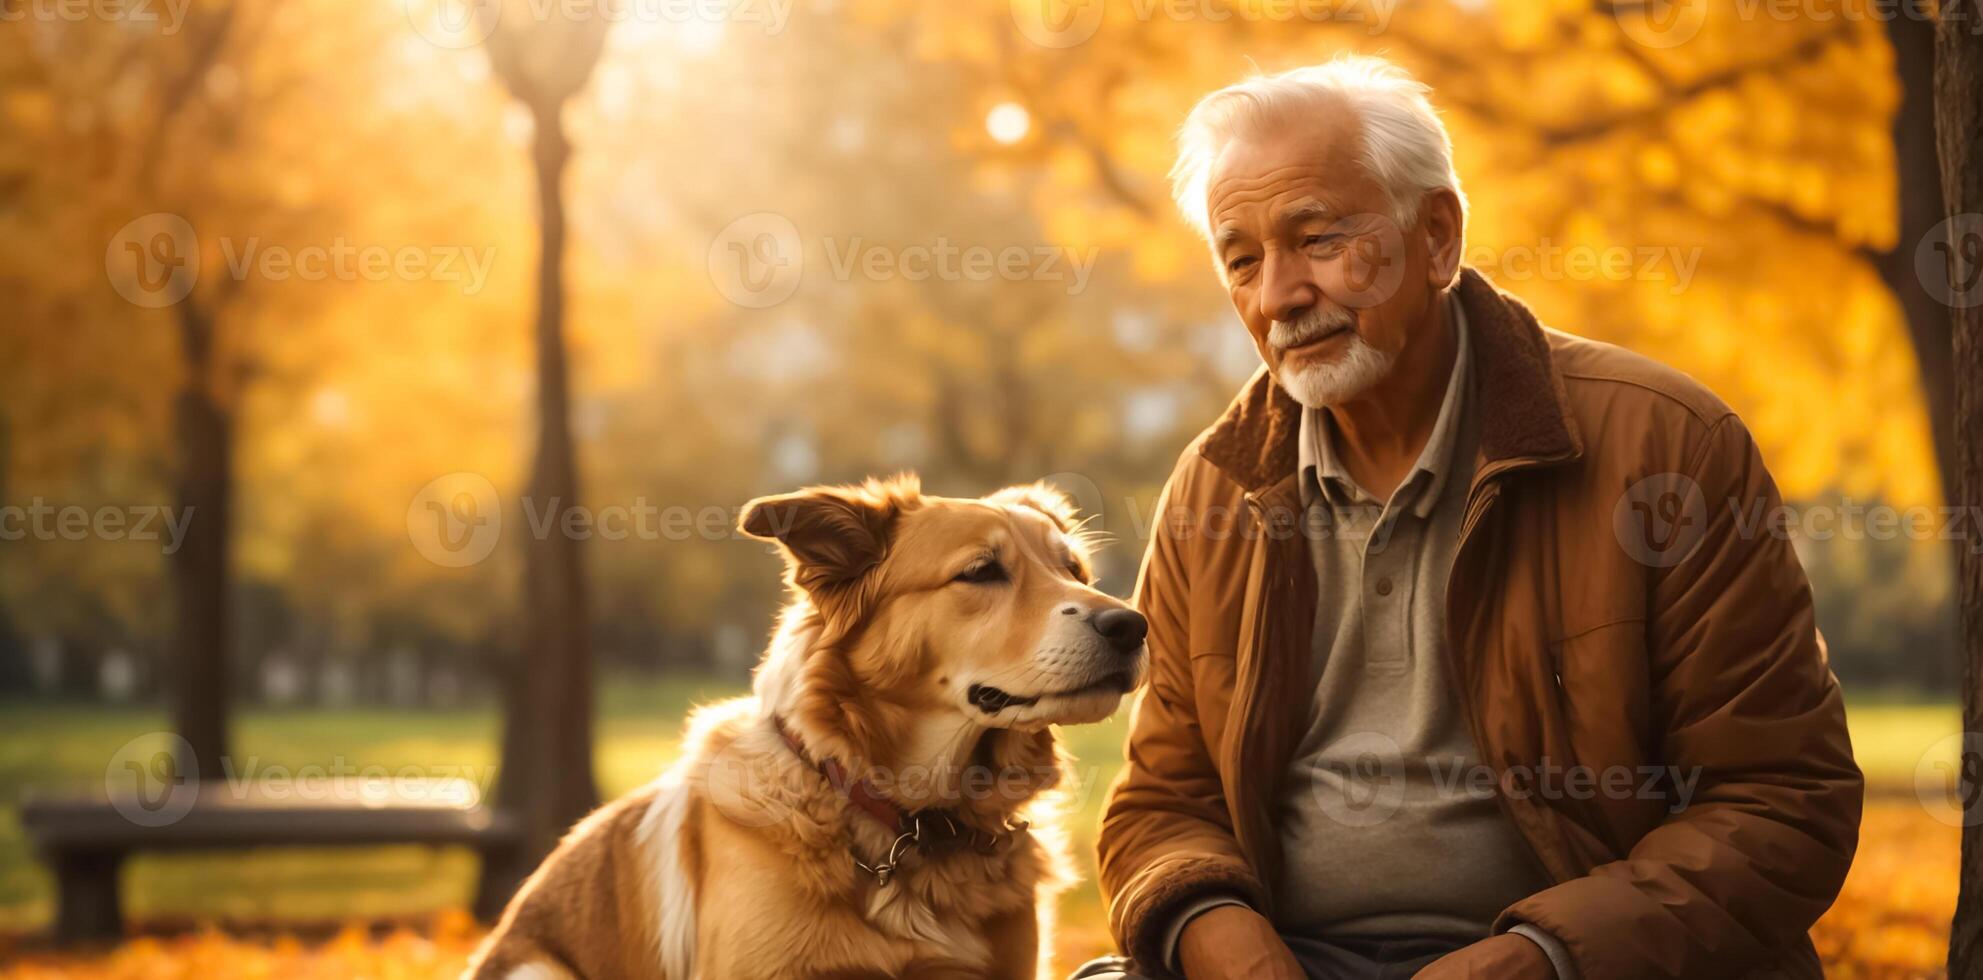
<point x="831" y="535"/>
<point x="1046" y="499"/>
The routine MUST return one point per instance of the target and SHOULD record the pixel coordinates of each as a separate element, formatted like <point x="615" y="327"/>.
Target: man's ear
<point x="831" y="535"/>
<point x="1444" y="227"/>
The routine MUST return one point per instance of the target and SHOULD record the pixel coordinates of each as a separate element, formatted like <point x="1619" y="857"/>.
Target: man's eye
<point x="1239" y="263"/>
<point x="982" y="573"/>
<point x="1319" y="241"/>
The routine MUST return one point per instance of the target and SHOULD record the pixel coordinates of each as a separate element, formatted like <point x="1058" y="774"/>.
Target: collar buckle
<point x="910" y="827"/>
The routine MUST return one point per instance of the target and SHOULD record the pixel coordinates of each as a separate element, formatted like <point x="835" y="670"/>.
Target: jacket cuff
<point x="1559" y="955"/>
<point x="1582" y="915"/>
<point x="1160" y="892"/>
<point x="1192" y="911"/>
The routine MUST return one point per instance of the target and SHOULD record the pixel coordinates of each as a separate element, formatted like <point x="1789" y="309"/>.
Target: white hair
<point x="1332" y="383"/>
<point x="1405" y="146"/>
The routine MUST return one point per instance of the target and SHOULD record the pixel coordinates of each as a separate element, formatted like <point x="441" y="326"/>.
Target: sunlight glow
<point x="1008" y="122"/>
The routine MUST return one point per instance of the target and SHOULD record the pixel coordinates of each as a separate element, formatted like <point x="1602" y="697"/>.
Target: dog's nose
<point x="1123" y="628"/>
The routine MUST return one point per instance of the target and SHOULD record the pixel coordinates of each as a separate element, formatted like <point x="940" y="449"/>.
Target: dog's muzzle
<point x="992" y="700"/>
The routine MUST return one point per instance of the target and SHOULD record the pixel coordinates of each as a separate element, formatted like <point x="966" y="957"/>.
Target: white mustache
<point x="1317" y="322"/>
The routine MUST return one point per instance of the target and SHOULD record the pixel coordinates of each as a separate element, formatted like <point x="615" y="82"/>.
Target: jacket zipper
<point x="1248" y="668"/>
<point x="1490" y="492"/>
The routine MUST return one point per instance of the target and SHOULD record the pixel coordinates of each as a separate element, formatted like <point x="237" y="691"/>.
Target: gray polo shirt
<point x="1383" y="833"/>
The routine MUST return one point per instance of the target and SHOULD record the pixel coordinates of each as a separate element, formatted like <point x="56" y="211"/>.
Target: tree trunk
<point x="16" y="677"/>
<point x="200" y="635"/>
<point x="1917" y="174"/>
<point x="1959" y="118"/>
<point x="547" y="747"/>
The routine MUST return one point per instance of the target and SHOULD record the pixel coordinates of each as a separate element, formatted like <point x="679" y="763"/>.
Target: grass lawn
<point x="63" y="749"/>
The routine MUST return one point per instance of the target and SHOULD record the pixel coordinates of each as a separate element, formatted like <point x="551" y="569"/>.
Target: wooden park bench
<point x="85" y="842"/>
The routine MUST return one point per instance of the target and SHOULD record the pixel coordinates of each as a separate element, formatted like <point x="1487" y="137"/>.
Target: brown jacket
<point x="1580" y="633"/>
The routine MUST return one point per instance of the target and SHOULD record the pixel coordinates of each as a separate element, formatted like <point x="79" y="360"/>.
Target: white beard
<point x="1321" y="385"/>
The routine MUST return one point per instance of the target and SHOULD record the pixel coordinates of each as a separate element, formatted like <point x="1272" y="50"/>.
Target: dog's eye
<point x="983" y="572"/>
<point x="1074" y="569"/>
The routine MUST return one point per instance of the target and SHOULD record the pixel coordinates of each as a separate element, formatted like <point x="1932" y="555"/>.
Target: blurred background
<point x="310" y="464"/>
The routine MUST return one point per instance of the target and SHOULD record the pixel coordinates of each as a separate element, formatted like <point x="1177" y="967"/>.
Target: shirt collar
<point x="1322" y="471"/>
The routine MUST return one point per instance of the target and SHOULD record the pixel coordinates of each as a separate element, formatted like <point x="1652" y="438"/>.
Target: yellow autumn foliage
<point x="1890" y="923"/>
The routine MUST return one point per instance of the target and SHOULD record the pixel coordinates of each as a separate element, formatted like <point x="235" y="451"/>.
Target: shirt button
<point x="1383" y="586"/>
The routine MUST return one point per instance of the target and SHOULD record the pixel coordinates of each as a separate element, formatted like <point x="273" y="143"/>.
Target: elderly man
<point x="1461" y="664"/>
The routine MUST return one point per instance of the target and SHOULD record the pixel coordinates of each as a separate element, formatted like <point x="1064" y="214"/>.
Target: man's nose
<point x="1123" y="627"/>
<point x="1288" y="287"/>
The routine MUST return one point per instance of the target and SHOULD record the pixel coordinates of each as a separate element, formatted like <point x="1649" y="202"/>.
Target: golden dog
<point x="878" y="806"/>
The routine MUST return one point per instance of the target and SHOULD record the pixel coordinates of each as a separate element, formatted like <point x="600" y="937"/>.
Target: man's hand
<point x="1503" y="957"/>
<point x="1233" y="941"/>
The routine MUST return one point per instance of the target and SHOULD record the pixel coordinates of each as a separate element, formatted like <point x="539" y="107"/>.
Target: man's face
<point x="1326" y="282"/>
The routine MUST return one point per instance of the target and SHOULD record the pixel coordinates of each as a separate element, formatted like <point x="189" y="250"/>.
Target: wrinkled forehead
<point x="945" y="527"/>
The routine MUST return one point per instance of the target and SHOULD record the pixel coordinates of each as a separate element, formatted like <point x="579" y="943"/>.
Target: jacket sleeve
<point x="1166" y="838"/>
<point x="1744" y="700"/>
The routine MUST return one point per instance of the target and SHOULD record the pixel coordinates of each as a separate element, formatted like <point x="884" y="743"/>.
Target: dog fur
<point x="739" y="861"/>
